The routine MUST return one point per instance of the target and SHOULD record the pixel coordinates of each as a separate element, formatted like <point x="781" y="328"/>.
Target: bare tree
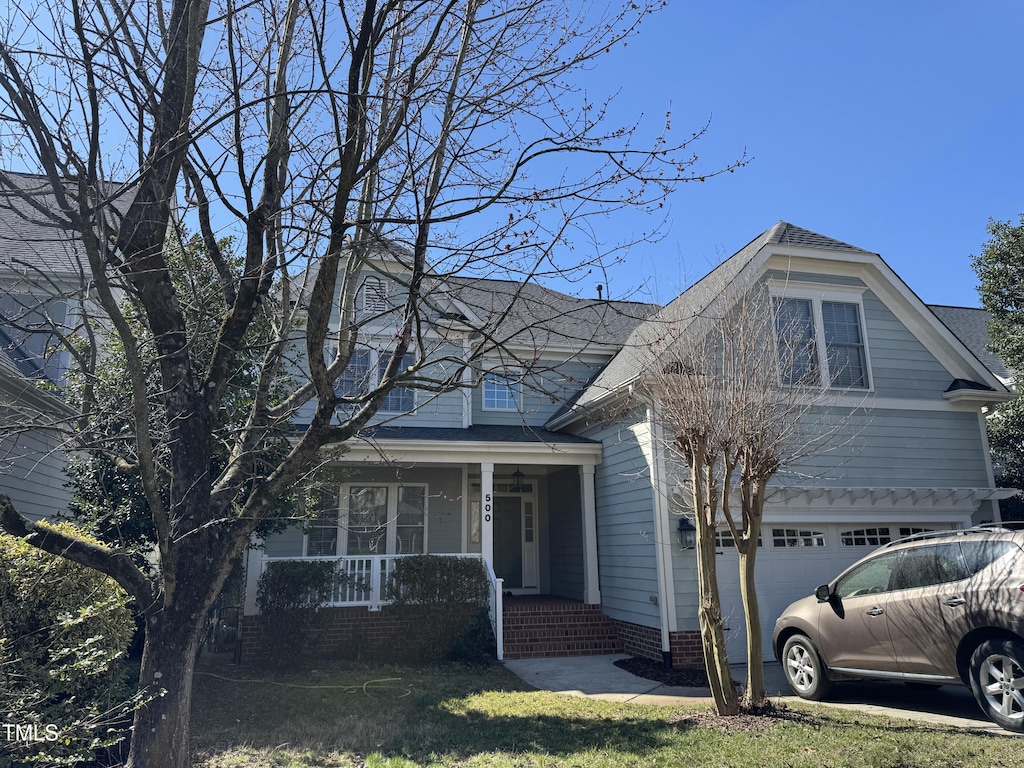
<point x="738" y="397"/>
<point x="426" y="140"/>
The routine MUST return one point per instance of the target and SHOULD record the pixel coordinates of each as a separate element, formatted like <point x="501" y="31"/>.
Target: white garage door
<point x="792" y="561"/>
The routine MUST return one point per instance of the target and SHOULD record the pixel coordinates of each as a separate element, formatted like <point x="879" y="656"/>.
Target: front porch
<point x="524" y="626"/>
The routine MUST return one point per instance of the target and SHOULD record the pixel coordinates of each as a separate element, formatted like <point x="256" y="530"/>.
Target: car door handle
<point x="953" y="602"/>
<point x="876" y="612"/>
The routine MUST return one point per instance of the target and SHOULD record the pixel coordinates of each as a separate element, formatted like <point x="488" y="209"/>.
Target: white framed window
<point x="501" y="392"/>
<point x="821" y="340"/>
<point x="865" y="537"/>
<point x="364" y="371"/>
<point x="911" y="531"/>
<point x="373" y="295"/>
<point x="724" y="539"/>
<point x="797" y="537"/>
<point x="371" y="519"/>
<point x="321" y="535"/>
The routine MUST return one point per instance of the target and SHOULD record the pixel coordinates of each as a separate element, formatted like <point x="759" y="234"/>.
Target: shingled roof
<point x="30" y="242"/>
<point x="970" y="325"/>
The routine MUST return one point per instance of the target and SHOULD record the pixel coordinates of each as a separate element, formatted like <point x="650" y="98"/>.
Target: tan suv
<point x="935" y="608"/>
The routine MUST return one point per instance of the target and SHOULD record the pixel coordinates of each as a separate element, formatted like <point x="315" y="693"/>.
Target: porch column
<point x="487" y="512"/>
<point x="591" y="582"/>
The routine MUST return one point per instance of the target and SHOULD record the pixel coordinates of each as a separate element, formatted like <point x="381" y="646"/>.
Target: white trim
<point x="588" y="504"/>
<point x="470" y="452"/>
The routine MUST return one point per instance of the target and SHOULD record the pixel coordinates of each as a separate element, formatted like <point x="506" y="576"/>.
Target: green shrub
<point x="290" y="594"/>
<point x="64" y="629"/>
<point x="446" y="598"/>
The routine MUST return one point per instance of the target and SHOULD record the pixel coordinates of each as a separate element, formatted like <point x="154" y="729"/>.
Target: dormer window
<point x="501" y="393"/>
<point x="821" y="341"/>
<point x="373" y="295"/>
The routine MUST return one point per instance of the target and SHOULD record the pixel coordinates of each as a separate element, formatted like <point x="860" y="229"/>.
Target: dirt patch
<point x="655" y="670"/>
<point x="757" y="720"/>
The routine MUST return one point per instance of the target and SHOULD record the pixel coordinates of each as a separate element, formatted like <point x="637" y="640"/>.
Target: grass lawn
<point x="395" y="717"/>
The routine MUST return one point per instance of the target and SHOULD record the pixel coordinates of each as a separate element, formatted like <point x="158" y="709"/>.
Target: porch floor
<point x="538" y="626"/>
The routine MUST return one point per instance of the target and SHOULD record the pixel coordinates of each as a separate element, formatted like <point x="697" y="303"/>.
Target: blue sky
<point x="894" y="126"/>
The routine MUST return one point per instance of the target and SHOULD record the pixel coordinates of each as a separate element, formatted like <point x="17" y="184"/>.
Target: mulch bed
<point x="756" y="720"/>
<point x="657" y="671"/>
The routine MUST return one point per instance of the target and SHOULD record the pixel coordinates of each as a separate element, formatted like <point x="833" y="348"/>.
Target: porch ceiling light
<point x="687" y="534"/>
<point x="517" y="481"/>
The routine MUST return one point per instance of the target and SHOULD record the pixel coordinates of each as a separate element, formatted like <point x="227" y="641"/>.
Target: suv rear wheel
<point x="804" y="670"/>
<point x="997" y="679"/>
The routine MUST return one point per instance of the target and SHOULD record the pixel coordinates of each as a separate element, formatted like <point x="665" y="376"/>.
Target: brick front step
<point x="540" y="627"/>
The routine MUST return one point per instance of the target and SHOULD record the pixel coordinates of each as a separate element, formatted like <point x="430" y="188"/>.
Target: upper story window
<point x="365" y="370"/>
<point x="821" y="341"/>
<point x="501" y="393"/>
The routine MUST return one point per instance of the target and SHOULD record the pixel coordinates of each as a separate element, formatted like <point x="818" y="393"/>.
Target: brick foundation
<point x="645" y="642"/>
<point x="346" y="633"/>
<point x="534" y="628"/>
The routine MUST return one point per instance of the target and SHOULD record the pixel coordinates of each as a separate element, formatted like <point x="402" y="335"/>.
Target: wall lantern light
<point x="687" y="534"/>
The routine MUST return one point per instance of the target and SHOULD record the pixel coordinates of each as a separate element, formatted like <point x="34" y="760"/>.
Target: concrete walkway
<point x="597" y="677"/>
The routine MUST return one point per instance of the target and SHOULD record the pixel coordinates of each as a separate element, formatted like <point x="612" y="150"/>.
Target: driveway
<point x="597" y="677"/>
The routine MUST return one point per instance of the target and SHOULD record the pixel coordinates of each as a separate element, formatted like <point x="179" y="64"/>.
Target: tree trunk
<point x="755" y="692"/>
<point x="712" y="633"/>
<point x="160" y="731"/>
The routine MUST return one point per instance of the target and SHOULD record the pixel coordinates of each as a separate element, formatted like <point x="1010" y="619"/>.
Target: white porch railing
<point x="364" y="579"/>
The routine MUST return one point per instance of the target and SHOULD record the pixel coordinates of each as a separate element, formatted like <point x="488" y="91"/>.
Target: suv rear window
<point x="925" y="566"/>
<point x="981" y="554"/>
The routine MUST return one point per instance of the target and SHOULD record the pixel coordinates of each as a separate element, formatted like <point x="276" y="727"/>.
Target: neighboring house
<point x="546" y="468"/>
<point x="41" y="278"/>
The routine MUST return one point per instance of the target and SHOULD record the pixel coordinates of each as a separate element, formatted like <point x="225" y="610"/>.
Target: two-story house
<point x="574" y="511"/>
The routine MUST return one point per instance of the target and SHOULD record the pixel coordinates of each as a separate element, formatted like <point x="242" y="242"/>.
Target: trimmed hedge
<point x="446" y="598"/>
<point x="64" y="631"/>
<point x="290" y="594"/>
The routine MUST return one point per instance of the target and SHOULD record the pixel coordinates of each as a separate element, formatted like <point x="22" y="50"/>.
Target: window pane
<point x="399" y="399"/>
<point x="798" y="362"/>
<point x="869" y="578"/>
<point x="793" y="537"/>
<point x="501" y="393"/>
<point x="844" y="344"/>
<point x="410" y="531"/>
<point x="981" y="554"/>
<point x="322" y="536"/>
<point x="865" y="537"/>
<point x="367" y="520"/>
<point x="355" y="379"/>
<point x="926" y="566"/>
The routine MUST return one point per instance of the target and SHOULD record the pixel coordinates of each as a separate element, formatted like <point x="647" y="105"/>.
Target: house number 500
<point x="487" y="508"/>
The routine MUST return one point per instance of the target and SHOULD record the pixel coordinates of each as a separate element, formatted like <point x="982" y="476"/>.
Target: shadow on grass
<point x="458" y="712"/>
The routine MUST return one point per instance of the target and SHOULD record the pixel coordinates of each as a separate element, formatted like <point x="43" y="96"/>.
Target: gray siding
<point x="565" y="534"/>
<point x="625" y="528"/>
<point x="898" y="449"/>
<point x="32" y="474"/>
<point x="901" y="366"/>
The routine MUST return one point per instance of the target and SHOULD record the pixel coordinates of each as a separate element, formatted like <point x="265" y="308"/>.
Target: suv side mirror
<point x="823" y="593"/>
